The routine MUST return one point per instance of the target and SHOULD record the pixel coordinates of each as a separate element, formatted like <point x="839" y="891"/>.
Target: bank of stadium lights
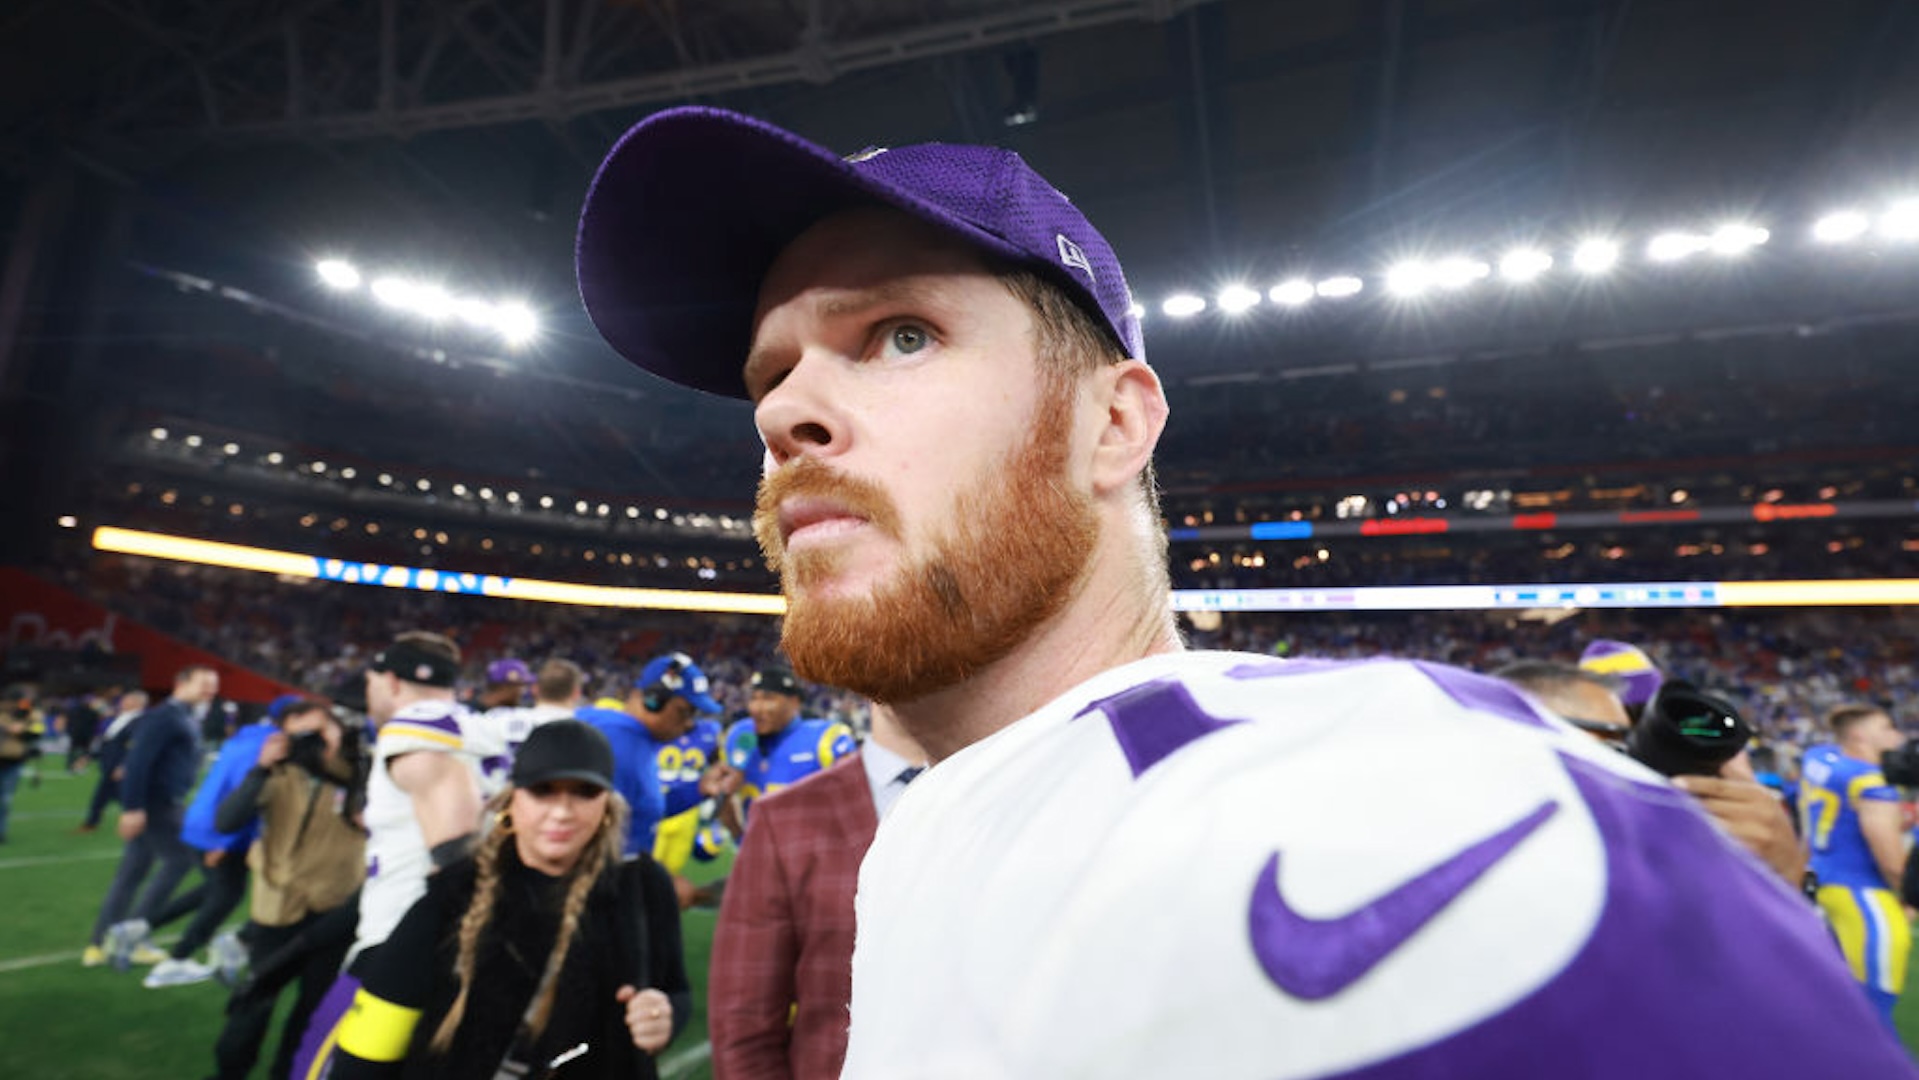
<point x="1595" y="256"/>
<point x="1183" y="305"/>
<point x="514" y="322"/>
<point x="1521" y="265"/>
<point x="1841" y="226"/>
<point x="1291" y="293"/>
<point x="1237" y="298"/>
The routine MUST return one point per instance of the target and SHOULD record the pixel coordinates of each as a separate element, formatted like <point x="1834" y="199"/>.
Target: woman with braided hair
<point x="540" y="955"/>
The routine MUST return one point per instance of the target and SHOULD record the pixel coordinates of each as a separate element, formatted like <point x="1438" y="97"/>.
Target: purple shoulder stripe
<point x="1154" y="720"/>
<point x="1692" y="941"/>
<point x="1482" y="693"/>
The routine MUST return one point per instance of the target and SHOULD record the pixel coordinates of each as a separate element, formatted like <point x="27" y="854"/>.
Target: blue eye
<point x="907" y="339"/>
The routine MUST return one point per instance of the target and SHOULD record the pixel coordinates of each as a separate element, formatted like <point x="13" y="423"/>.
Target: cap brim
<point x="583" y="775"/>
<point x="685" y="217"/>
<point x="704" y="704"/>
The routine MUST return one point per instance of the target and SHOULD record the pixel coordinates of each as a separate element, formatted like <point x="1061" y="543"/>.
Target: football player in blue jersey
<point x="1852" y="817"/>
<point x="775" y="747"/>
<point x="683" y="765"/>
<point x="662" y="707"/>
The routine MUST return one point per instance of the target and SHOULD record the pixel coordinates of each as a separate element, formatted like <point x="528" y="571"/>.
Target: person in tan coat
<point x="307" y="868"/>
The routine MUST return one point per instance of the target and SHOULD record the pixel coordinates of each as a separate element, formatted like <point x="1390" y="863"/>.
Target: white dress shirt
<point x="883" y="769"/>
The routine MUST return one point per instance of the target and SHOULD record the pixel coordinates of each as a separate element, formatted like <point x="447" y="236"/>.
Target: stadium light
<point x="393" y="292"/>
<point x="513" y="497"/>
<point x="68" y="521"/>
<point x="1840" y="226"/>
<point x="1293" y="292"/>
<point x="318" y="467"/>
<point x="516" y="322"/>
<point x="1524" y="264"/>
<point x="1901" y="220"/>
<point x="1737" y="238"/>
<point x="486" y="493"/>
<point x="194" y="441"/>
<point x="349" y="473"/>
<point x="1674" y="246"/>
<point x="1458" y="272"/>
<point x="159" y="434"/>
<point x="230" y="449"/>
<point x="477" y="312"/>
<point x="459" y="489"/>
<point x="1595" y="256"/>
<point x="338" y="274"/>
<point x="580" y="507"/>
<point x="424" y="485"/>
<point x="546" y="502"/>
<point x="1340" y="287"/>
<point x="386" y="479"/>
<point x="1235" y="299"/>
<point x="1138" y="310"/>
<point x="276" y="458"/>
<point x="1183" y="305"/>
<point x="1409" y="279"/>
<point x="431" y="302"/>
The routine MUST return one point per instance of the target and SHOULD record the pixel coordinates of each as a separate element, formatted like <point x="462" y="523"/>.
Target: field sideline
<point x="62" y="1020"/>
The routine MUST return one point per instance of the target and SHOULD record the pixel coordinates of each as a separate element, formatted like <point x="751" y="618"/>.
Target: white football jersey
<point x="396" y="853"/>
<point x="504" y="729"/>
<point x="1230" y="866"/>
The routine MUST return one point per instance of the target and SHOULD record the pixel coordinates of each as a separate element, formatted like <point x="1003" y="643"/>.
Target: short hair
<point x="1543" y="677"/>
<point x="558" y="680"/>
<point x="1843" y="718"/>
<point x="1070" y="342"/>
<point x="427" y="641"/>
<point x="192" y="671"/>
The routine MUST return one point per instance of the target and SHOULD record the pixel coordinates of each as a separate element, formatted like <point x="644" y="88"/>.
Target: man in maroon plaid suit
<point x="782" y="968"/>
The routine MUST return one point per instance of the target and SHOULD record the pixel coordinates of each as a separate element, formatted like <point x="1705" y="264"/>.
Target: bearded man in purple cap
<point x="1129" y="860"/>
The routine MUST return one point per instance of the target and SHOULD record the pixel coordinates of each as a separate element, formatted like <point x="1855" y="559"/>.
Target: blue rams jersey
<point x="683" y="761"/>
<point x="636" y="773"/>
<point x="785" y="759"/>
<point x="1833" y="788"/>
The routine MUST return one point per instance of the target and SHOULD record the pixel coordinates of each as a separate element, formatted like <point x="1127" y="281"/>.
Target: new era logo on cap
<point x="1073" y="258"/>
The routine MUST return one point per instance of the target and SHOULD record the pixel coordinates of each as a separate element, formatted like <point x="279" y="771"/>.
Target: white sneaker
<point x="122" y="939"/>
<point x="228" y="957"/>
<point x="170" y="972"/>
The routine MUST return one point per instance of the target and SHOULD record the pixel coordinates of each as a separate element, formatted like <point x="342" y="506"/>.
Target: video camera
<point x="1901" y="764"/>
<point x="1688" y="732"/>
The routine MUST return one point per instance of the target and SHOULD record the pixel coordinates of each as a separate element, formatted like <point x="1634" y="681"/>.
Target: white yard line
<point x="69" y="957"/>
<point x="45" y="860"/>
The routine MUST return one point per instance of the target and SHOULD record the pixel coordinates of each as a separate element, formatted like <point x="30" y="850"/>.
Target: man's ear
<point x="1134" y="414"/>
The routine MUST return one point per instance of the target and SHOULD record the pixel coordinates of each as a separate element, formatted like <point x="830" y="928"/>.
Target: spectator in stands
<point x="1750" y="812"/>
<point x="543" y="949"/>
<point x="782" y="969"/>
<point x="507" y="681"/>
<point x="307" y="870"/>
<point x="110" y="755"/>
<point x="21" y="725"/>
<point x="160" y="769"/>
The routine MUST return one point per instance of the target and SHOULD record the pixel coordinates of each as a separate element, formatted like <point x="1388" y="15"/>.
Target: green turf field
<point x="62" y="1020"/>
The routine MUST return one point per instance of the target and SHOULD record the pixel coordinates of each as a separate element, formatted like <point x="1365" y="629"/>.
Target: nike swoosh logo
<point x="1314" y="959"/>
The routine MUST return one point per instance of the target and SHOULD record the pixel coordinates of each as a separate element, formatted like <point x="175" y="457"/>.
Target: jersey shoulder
<point x="429" y="725"/>
<point x="827" y="741"/>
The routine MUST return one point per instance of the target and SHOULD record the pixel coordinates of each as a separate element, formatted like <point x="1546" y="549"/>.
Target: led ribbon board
<point x="1669" y="594"/>
<point x="239" y="557"/>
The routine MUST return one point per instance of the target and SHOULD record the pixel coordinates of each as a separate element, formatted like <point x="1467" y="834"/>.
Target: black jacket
<point x="414" y="969"/>
<point x="163" y="759"/>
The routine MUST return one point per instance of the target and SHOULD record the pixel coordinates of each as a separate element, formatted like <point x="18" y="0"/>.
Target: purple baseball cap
<point x="508" y="671"/>
<point x="1638" y="676"/>
<point x="693" y="205"/>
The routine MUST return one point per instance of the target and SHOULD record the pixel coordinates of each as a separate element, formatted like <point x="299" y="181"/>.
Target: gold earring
<point x="503" y="821"/>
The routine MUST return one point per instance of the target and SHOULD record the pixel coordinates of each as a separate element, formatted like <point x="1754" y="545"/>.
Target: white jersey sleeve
<point x="397" y="857"/>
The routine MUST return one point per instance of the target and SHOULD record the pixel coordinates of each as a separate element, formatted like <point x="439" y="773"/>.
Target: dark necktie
<point x="907" y="774"/>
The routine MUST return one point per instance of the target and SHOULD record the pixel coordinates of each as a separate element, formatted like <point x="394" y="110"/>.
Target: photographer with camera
<point x="20" y="729"/>
<point x="1858" y="846"/>
<point x="307" y="868"/>
<point x="1683" y="733"/>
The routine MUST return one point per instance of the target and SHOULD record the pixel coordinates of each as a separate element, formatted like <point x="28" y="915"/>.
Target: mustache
<point x="808" y="477"/>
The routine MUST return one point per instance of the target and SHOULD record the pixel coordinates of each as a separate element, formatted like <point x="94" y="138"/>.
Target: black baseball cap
<point x="777" y="679"/>
<point x="564" y="750"/>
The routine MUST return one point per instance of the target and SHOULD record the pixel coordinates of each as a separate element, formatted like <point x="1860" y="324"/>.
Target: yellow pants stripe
<point x="1872" y="931"/>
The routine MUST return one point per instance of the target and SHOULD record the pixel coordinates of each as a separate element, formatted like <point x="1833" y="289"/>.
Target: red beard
<point x="1019" y="543"/>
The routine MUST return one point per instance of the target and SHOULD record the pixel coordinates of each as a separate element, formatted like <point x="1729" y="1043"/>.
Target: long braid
<point x="486" y="890"/>
<point x="608" y="844"/>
